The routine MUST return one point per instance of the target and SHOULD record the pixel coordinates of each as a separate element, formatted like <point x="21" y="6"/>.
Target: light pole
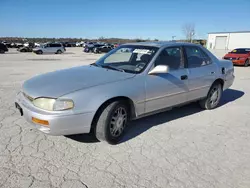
<point x="192" y="34"/>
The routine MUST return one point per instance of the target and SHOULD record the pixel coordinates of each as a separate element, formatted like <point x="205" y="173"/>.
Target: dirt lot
<point x="186" y="147"/>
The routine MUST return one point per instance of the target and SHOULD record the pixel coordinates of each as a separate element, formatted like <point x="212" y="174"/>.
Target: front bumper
<point x="60" y="123"/>
<point x="238" y="62"/>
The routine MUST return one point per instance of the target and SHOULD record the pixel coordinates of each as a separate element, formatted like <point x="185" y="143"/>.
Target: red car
<point x="239" y="56"/>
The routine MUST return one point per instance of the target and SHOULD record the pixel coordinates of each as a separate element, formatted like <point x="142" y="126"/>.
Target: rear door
<point x="53" y="48"/>
<point x="202" y="72"/>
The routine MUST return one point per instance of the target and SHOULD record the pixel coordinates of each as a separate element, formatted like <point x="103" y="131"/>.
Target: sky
<point x="154" y="19"/>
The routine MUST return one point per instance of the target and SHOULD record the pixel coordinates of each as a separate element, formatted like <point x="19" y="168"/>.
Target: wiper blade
<point x="113" y="68"/>
<point x="94" y="64"/>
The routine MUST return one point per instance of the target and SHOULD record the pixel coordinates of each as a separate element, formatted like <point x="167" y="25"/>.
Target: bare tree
<point x="189" y="31"/>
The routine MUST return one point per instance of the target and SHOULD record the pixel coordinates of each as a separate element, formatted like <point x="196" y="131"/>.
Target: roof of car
<point x="161" y="43"/>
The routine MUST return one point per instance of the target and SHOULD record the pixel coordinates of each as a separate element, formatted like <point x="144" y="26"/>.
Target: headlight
<point x="44" y="103"/>
<point x="53" y="104"/>
<point x="241" y="58"/>
<point x="63" y="104"/>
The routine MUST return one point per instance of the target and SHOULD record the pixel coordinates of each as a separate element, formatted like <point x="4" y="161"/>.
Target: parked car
<point x="56" y="48"/>
<point x="239" y="56"/>
<point x="102" y="49"/>
<point x="19" y="45"/>
<point x="91" y="47"/>
<point x="69" y="44"/>
<point x="7" y="44"/>
<point x="116" y="45"/>
<point x="126" y="86"/>
<point x="3" y="48"/>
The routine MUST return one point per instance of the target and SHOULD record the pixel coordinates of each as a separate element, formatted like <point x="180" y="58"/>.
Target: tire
<point x="213" y="98"/>
<point x="246" y="63"/>
<point x="59" y="52"/>
<point x="2" y="51"/>
<point x="111" y="123"/>
<point x="39" y="52"/>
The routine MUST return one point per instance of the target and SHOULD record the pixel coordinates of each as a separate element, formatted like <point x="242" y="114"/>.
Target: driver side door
<point x="167" y="89"/>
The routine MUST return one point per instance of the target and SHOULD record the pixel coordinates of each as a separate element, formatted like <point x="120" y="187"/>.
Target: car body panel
<point x="165" y="90"/>
<point x="58" y="83"/>
<point x="90" y="87"/>
<point x="200" y="80"/>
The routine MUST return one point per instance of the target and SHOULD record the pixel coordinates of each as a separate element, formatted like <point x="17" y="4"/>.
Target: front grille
<point x="28" y="97"/>
<point x="230" y="58"/>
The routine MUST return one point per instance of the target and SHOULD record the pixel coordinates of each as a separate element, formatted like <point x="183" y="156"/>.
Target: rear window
<point x="241" y="51"/>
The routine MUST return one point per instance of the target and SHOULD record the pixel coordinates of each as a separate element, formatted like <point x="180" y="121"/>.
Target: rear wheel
<point x="59" y="52"/>
<point x="2" y="51"/>
<point x="111" y="122"/>
<point x="213" y="98"/>
<point x="246" y="63"/>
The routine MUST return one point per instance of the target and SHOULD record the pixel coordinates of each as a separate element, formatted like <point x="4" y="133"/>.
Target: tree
<point x="189" y="31"/>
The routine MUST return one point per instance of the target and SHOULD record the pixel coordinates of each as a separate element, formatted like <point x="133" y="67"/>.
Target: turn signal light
<point x="39" y="121"/>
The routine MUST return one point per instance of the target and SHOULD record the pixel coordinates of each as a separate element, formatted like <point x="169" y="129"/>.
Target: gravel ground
<point x="185" y="147"/>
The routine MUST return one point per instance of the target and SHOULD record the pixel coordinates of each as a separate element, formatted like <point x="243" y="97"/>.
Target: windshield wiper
<point x="96" y="65"/>
<point x="111" y="67"/>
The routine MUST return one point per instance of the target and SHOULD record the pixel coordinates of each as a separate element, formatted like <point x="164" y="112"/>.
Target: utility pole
<point x="191" y="37"/>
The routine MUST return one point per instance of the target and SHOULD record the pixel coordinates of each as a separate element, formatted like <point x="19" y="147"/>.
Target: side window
<point x="196" y="57"/>
<point x="171" y="57"/>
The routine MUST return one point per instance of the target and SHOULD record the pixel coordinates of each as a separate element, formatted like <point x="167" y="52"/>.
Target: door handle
<point x="184" y="77"/>
<point x="212" y="72"/>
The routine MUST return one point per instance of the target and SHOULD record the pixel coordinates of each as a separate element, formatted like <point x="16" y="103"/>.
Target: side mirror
<point x="159" y="69"/>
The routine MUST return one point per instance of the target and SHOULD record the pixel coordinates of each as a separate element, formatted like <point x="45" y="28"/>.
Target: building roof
<point x="229" y="32"/>
<point x="160" y="43"/>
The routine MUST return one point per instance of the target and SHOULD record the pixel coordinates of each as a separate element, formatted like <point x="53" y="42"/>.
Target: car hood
<point x="62" y="82"/>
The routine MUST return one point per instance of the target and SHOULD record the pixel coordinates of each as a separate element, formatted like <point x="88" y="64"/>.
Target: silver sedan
<point x="130" y="82"/>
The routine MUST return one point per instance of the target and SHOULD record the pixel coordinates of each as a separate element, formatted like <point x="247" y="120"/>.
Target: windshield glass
<point x="129" y="58"/>
<point x="241" y="51"/>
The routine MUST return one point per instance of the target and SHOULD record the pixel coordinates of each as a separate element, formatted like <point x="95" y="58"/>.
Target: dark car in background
<point x="102" y="49"/>
<point x="91" y="47"/>
<point x="69" y="44"/>
<point x="3" y="48"/>
<point x="28" y="48"/>
<point x="239" y="56"/>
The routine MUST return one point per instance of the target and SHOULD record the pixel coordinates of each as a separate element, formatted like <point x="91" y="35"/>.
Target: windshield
<point x="129" y="58"/>
<point x="241" y="51"/>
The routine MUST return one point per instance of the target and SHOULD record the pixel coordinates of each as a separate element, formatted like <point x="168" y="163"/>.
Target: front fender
<point x="90" y="99"/>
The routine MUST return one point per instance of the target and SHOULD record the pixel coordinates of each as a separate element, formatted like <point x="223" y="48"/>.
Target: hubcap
<point x="214" y="96"/>
<point x="118" y="122"/>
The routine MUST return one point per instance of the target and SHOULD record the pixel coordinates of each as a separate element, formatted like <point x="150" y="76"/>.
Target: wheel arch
<point x="128" y="101"/>
<point x="219" y="80"/>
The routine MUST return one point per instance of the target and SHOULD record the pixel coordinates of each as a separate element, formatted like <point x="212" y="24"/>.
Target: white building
<point x="228" y="40"/>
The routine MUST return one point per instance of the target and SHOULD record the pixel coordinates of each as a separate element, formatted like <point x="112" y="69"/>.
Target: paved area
<point x="183" y="148"/>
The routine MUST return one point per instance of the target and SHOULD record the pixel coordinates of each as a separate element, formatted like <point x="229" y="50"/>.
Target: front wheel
<point x="39" y="52"/>
<point x="2" y="51"/>
<point x="111" y="123"/>
<point x="213" y="98"/>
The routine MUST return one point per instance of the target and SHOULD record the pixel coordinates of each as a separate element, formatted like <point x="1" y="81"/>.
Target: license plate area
<point x="19" y="108"/>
